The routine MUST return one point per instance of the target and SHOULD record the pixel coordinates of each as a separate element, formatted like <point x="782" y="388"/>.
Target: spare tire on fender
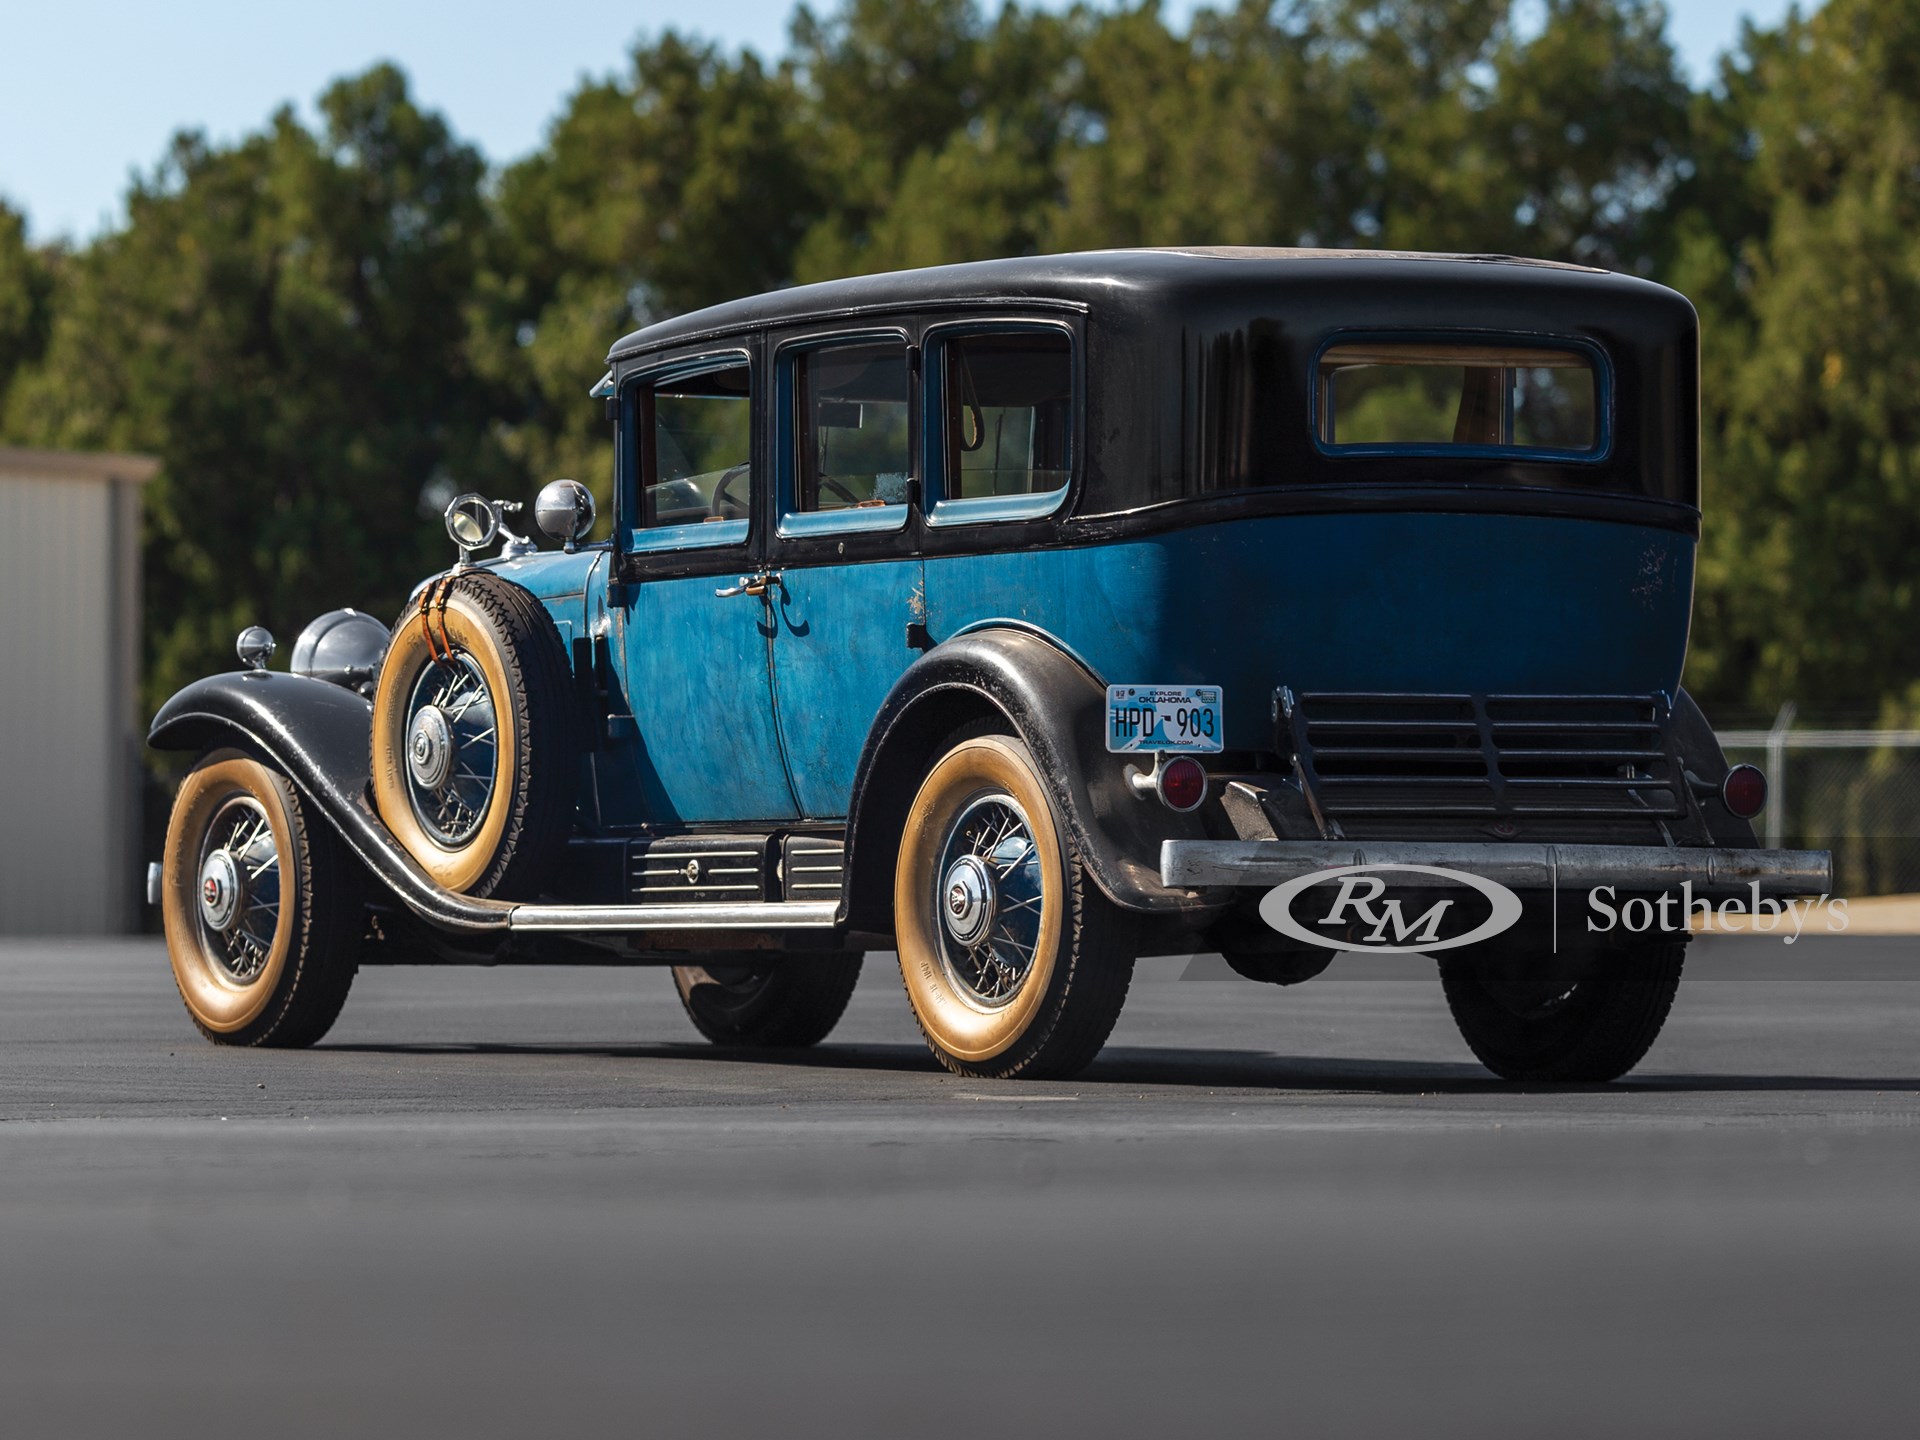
<point x="475" y="743"/>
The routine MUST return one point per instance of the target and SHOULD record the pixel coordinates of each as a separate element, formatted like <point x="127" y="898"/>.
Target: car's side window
<point x="1005" y="426"/>
<point x="851" y="414"/>
<point x="695" y="432"/>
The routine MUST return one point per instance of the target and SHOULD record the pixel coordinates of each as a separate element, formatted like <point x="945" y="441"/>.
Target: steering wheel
<point x="723" y="501"/>
<point x="972" y="413"/>
<point x="829" y="483"/>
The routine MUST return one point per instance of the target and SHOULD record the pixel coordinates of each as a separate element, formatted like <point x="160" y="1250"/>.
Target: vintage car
<point x="1027" y="617"/>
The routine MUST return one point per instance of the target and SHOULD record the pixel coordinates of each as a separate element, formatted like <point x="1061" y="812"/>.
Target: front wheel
<point x="1014" y="962"/>
<point x="263" y="908"/>
<point x="1591" y="1029"/>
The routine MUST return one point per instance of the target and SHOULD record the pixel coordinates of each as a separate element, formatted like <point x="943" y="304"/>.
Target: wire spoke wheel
<point x="1014" y="962"/>
<point x="991" y="898"/>
<point x="453" y="749"/>
<point x="239" y="910"/>
<point x="476" y="737"/>
<point x="263" y="910"/>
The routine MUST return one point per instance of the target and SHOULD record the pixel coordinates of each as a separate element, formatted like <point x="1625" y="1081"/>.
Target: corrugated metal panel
<point x="64" y="807"/>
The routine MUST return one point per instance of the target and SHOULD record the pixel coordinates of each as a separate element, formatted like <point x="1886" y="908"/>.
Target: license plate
<point x="1147" y="719"/>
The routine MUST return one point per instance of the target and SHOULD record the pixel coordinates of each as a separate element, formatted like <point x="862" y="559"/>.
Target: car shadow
<point x="1122" y="1066"/>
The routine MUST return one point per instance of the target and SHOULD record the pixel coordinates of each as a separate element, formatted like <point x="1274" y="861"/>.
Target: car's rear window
<point x="1427" y="395"/>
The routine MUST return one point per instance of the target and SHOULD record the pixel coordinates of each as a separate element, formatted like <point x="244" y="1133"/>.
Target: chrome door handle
<point x="750" y="584"/>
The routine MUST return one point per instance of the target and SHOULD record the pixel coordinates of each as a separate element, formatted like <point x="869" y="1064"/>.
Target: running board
<point x="756" y="915"/>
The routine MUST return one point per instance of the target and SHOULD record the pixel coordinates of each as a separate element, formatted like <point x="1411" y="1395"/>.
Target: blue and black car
<point x="1027" y="617"/>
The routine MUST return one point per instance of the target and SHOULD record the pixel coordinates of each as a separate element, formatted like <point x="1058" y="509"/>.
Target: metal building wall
<point x="69" y="657"/>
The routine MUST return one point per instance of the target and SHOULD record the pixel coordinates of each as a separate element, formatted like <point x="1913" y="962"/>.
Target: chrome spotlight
<point x="564" y="512"/>
<point x="254" y="647"/>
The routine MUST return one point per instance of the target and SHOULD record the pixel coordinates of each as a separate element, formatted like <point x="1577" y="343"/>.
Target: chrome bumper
<point x="1778" y="873"/>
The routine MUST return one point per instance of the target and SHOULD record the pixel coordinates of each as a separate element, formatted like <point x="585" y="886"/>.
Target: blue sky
<point x="95" y="88"/>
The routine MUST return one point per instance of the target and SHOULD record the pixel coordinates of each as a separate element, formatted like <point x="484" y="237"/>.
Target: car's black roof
<point x="1088" y="277"/>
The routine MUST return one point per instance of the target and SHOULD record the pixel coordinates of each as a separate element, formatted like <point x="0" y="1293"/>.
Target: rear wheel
<point x="1593" y="1029"/>
<point x="1014" y="962"/>
<point x="748" y="999"/>
<point x="263" y="909"/>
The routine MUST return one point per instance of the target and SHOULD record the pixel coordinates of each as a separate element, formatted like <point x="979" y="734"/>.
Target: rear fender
<point x="1027" y="685"/>
<point x="1701" y="753"/>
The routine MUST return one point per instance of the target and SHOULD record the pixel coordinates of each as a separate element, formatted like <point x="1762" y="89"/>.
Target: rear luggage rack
<point x="1488" y="758"/>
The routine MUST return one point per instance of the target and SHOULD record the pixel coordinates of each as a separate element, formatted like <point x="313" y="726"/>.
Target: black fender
<point x="1700" y="752"/>
<point x="1019" y="681"/>
<point x="318" y="734"/>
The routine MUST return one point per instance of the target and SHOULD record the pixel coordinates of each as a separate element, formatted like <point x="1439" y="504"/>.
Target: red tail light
<point x="1183" y="783"/>
<point x="1745" y="791"/>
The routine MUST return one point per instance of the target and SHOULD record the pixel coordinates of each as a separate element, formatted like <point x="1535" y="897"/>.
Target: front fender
<point x="317" y="734"/>
<point x="1020" y="681"/>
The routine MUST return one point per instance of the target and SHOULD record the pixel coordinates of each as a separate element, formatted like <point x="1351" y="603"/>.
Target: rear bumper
<point x="1711" y="873"/>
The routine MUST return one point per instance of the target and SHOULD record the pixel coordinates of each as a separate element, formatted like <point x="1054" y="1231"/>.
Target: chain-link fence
<point x="1854" y="792"/>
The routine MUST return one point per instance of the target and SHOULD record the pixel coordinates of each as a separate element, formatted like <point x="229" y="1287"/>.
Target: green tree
<point x="284" y="324"/>
<point x="1809" y="280"/>
<point x="1422" y="124"/>
<point x="26" y="297"/>
<point x="677" y="185"/>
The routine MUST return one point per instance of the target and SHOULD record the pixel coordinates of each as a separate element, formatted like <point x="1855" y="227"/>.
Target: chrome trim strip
<point x="1519" y="867"/>
<point x="853" y="520"/>
<point x="764" y="915"/>
<point x="988" y="509"/>
<point x="688" y="537"/>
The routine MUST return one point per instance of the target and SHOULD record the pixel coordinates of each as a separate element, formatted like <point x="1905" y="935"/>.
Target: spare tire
<point x="475" y="745"/>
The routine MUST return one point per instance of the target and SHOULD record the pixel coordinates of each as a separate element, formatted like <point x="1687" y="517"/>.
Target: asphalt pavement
<point x="519" y="1202"/>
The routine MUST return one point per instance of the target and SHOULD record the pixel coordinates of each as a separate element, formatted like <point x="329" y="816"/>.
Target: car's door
<point x="691" y="731"/>
<point x="845" y="440"/>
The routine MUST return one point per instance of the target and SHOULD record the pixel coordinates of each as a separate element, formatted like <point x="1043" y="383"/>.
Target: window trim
<point x="1601" y="369"/>
<point x="986" y="509"/>
<point x="793" y="524"/>
<point x="707" y="535"/>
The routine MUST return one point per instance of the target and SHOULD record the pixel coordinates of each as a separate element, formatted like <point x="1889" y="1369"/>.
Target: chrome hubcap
<point x="989" y="897"/>
<point x="430" y="749"/>
<point x="971" y="900"/>
<point x="219" y="890"/>
<point x="452" y="750"/>
<point x="240" y="889"/>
